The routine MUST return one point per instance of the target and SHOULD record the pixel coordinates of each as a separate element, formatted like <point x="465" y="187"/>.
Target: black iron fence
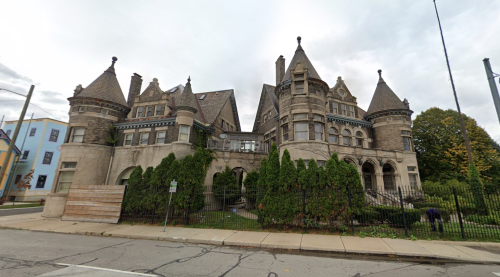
<point x="446" y="212"/>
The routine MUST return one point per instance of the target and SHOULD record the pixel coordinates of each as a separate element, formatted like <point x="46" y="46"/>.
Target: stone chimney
<point x="280" y="69"/>
<point x="135" y="89"/>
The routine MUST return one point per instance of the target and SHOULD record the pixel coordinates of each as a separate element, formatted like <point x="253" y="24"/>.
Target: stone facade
<point x="302" y="113"/>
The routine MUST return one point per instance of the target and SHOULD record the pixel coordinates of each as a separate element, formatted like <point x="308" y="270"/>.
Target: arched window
<point x="347" y="137"/>
<point x="359" y="139"/>
<point x="333" y="136"/>
<point x="389" y="178"/>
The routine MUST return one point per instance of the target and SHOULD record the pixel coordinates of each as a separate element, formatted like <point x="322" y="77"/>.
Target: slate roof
<point x="272" y="96"/>
<point x="301" y="56"/>
<point x="187" y="100"/>
<point x="384" y="99"/>
<point x="105" y="87"/>
<point x="213" y="103"/>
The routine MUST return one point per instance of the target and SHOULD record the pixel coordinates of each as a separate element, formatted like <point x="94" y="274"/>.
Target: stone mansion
<point x="301" y="113"/>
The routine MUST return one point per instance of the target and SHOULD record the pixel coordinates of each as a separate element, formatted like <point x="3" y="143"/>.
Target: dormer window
<point x="299" y="87"/>
<point x="299" y="77"/>
<point x="343" y="108"/>
<point x="149" y="111"/>
<point x="335" y="107"/>
<point x="351" y="111"/>
<point x="159" y="110"/>
<point x="140" y="112"/>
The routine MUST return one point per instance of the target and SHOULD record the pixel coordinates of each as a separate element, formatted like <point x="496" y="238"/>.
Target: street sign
<point x="173" y="186"/>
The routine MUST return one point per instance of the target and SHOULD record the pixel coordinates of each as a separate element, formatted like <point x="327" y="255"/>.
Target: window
<point x="388" y="182"/>
<point x="301" y="131"/>
<point x="140" y="112"/>
<point x="318" y="117"/>
<point x="359" y="139"/>
<point x="149" y="111"/>
<point x="128" y="139"/>
<point x="227" y="126"/>
<point x="389" y="118"/>
<point x="343" y="108"/>
<point x="265" y="118"/>
<point x="223" y="124"/>
<point x="405" y="133"/>
<point x="333" y="137"/>
<point x="285" y="133"/>
<point x="65" y="181"/>
<point x="351" y="111"/>
<point x="8" y="132"/>
<point x="321" y="163"/>
<point x="104" y="112"/>
<point x="32" y="132"/>
<point x="335" y="107"/>
<point x="40" y="183"/>
<point x="299" y="87"/>
<point x="413" y="180"/>
<point x="81" y="109"/>
<point x="284" y="119"/>
<point x="318" y="131"/>
<point x="78" y="134"/>
<point x="25" y="155"/>
<point x="18" y="179"/>
<point x="412" y="168"/>
<point x="54" y="134"/>
<point x="270" y="113"/>
<point x="159" y="110"/>
<point x="184" y="133"/>
<point x="347" y="137"/>
<point x="300" y="116"/>
<point x="203" y="96"/>
<point x="160" y="137"/>
<point x="47" y="159"/>
<point x="144" y="138"/>
<point x="299" y="77"/>
<point x="407" y="143"/>
<point x="68" y="165"/>
<point x="232" y="128"/>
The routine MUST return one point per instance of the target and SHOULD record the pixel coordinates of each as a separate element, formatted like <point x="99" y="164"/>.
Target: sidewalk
<point x="458" y="251"/>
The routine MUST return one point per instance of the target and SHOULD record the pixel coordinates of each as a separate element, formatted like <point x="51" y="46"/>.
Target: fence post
<point x="154" y="207"/>
<point x="350" y="208"/>
<point x="304" y="208"/>
<point x="261" y="217"/>
<point x="187" y="214"/>
<point x="459" y="214"/>
<point x="403" y="210"/>
<point x="224" y="207"/>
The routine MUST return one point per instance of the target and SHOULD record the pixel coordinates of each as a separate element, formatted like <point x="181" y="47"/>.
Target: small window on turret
<point x="299" y="87"/>
<point x="104" y="112"/>
<point x="81" y="109"/>
<point x="299" y="77"/>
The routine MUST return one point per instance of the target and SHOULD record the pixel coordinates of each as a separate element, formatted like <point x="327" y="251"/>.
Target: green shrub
<point x="251" y="186"/>
<point x="226" y="181"/>
<point x="476" y="187"/>
<point x="394" y="215"/>
<point x="437" y="189"/>
<point x="367" y="215"/>
<point x="493" y="219"/>
<point x="427" y="205"/>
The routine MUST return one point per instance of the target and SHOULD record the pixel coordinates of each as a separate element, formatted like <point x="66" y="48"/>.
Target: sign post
<point x="173" y="188"/>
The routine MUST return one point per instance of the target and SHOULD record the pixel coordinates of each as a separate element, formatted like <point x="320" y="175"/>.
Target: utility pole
<point x="14" y="136"/>
<point x="460" y="118"/>
<point x="493" y="87"/>
<point x="1" y="123"/>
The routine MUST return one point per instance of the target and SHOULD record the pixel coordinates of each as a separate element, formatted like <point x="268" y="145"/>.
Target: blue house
<point x="39" y="141"/>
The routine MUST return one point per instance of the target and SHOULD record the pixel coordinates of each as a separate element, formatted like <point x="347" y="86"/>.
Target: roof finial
<point x="380" y="73"/>
<point x="189" y="79"/>
<point x="113" y="61"/>
<point x="299" y="39"/>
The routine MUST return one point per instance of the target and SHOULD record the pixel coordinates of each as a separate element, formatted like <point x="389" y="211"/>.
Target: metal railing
<point x="242" y="146"/>
<point x="446" y="213"/>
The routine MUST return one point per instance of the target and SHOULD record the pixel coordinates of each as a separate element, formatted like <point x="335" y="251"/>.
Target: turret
<point x="186" y="108"/>
<point x="391" y="118"/>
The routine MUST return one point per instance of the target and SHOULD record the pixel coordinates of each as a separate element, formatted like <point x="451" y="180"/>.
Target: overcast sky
<point x="57" y="45"/>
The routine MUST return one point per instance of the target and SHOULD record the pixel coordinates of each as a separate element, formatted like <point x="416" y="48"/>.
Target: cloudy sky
<point x="57" y="45"/>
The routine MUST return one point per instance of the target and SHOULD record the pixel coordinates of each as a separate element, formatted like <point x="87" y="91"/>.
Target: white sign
<point x="173" y="186"/>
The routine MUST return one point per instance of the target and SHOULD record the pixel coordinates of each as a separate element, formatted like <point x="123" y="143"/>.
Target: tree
<point x="285" y="201"/>
<point x="476" y="187"/>
<point x="441" y="151"/>
<point x="159" y="180"/>
<point x="132" y="201"/>
<point x="302" y="174"/>
<point x="251" y="184"/>
<point x="189" y="193"/>
<point x="225" y="187"/>
<point x="261" y="186"/>
<point x="270" y="205"/>
<point x="288" y="173"/>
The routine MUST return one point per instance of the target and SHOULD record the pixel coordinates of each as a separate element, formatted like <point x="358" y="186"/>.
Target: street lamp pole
<point x="493" y="86"/>
<point x="14" y="136"/>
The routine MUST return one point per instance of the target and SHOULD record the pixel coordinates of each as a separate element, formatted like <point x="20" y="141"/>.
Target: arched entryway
<point x="240" y="173"/>
<point x="123" y="179"/>
<point x="389" y="177"/>
<point x="369" y="176"/>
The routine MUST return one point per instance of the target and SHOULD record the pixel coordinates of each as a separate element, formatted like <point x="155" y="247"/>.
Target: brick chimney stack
<point x="135" y="89"/>
<point x="280" y="69"/>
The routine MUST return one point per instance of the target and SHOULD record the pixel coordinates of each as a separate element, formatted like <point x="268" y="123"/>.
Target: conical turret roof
<point x="301" y="56"/>
<point x="384" y="99"/>
<point x="105" y="87"/>
<point x="187" y="101"/>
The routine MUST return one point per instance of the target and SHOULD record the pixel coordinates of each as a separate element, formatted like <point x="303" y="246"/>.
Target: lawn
<point x="4" y="207"/>
<point x="220" y="220"/>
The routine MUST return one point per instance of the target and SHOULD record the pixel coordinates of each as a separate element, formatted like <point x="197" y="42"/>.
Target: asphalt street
<point x="27" y="253"/>
<point x="15" y="211"/>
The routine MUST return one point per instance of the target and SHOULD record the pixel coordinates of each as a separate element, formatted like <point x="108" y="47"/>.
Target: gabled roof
<point x="5" y="137"/>
<point x="341" y="85"/>
<point x="212" y="103"/>
<point x="384" y="99"/>
<point x="152" y="91"/>
<point x="105" y="87"/>
<point x="267" y="94"/>
<point x="301" y="56"/>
